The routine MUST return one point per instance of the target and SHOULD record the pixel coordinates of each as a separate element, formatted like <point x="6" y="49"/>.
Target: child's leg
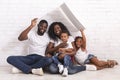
<point x="99" y="63"/>
<point x="67" y="60"/>
<point x="55" y="59"/>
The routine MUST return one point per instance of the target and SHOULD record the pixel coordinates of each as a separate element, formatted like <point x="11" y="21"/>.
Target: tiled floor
<point x="105" y="74"/>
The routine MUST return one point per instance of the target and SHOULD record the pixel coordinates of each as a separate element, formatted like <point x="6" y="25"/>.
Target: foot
<point x="65" y="72"/>
<point x="91" y="67"/>
<point x="16" y="70"/>
<point x="38" y="71"/>
<point x="112" y="63"/>
<point x="60" y="68"/>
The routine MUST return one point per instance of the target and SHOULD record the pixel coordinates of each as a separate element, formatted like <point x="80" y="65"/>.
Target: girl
<point x="83" y="57"/>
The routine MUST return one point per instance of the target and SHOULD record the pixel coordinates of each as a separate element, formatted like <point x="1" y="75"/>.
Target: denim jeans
<point x="72" y="69"/>
<point x="26" y="63"/>
<point x="65" y="60"/>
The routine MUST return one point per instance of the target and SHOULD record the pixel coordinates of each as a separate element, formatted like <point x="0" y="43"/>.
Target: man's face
<point x="42" y="28"/>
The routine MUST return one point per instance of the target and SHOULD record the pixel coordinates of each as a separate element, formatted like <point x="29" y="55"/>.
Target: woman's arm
<point x="51" y="48"/>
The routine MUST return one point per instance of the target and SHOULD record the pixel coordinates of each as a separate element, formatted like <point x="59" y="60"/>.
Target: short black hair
<point x="64" y="31"/>
<point x="41" y="22"/>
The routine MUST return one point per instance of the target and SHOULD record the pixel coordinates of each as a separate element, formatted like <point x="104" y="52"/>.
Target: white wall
<point x="100" y="18"/>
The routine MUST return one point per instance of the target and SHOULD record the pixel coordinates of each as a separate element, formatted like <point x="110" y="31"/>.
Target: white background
<point x="101" y="18"/>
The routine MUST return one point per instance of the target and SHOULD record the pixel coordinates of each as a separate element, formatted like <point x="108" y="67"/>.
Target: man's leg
<point x="42" y="62"/>
<point x="21" y="62"/>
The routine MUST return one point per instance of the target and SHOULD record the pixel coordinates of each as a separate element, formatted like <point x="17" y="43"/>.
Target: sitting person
<point x="38" y="41"/>
<point x="82" y="56"/>
<point x="62" y="54"/>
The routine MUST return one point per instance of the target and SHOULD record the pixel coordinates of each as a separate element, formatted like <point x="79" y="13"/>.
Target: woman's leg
<point x="53" y="68"/>
<point x="76" y="69"/>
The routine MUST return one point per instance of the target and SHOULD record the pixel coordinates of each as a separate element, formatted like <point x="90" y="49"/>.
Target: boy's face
<point x="64" y="37"/>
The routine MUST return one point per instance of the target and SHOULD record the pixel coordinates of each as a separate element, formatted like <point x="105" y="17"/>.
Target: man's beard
<point x="40" y="33"/>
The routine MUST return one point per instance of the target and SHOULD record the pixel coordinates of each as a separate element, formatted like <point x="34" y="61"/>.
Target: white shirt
<point x="37" y="43"/>
<point x="69" y="44"/>
<point x="81" y="56"/>
<point x="56" y="43"/>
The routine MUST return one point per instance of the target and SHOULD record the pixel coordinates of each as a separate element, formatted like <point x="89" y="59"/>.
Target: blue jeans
<point x="65" y="60"/>
<point x="27" y="63"/>
<point x="72" y="69"/>
<point x="87" y="61"/>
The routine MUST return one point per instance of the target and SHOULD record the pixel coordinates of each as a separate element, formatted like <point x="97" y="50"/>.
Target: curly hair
<point x="51" y="32"/>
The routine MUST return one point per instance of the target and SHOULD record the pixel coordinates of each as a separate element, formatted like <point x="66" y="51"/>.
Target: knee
<point x="53" y="69"/>
<point x="49" y="60"/>
<point x="67" y="57"/>
<point x="10" y="59"/>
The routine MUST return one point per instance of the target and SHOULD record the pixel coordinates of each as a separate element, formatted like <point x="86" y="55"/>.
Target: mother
<point x="54" y="32"/>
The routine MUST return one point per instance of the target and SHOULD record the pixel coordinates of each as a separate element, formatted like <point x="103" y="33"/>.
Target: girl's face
<point x="57" y="30"/>
<point x="78" y="42"/>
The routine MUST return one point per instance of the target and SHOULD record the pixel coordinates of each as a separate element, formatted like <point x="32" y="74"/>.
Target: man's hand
<point x="34" y="22"/>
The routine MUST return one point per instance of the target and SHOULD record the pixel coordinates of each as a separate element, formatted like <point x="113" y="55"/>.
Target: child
<point x="62" y="54"/>
<point x="83" y="57"/>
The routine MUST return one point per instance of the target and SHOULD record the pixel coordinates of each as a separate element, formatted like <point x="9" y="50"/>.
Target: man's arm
<point x="24" y="34"/>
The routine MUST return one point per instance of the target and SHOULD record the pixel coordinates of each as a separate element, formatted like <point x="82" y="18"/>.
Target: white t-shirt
<point x="37" y="43"/>
<point x="56" y="43"/>
<point x="69" y="44"/>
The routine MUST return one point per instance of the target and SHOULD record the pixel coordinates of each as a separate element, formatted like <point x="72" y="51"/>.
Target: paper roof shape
<point x="64" y="15"/>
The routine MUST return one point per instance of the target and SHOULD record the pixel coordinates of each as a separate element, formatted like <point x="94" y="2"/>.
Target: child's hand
<point x="81" y="30"/>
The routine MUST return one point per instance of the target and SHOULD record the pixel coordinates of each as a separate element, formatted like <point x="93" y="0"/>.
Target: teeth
<point x="57" y="32"/>
<point x="42" y="30"/>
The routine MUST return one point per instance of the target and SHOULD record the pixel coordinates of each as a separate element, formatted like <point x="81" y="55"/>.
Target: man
<point x="38" y="40"/>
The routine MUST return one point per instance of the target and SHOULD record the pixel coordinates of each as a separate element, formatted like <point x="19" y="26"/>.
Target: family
<point x="55" y="51"/>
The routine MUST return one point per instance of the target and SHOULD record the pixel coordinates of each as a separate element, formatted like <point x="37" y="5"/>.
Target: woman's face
<point x="57" y="30"/>
<point x="78" y="42"/>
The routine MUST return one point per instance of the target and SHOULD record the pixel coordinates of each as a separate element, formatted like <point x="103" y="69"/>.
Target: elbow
<point x="20" y="39"/>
